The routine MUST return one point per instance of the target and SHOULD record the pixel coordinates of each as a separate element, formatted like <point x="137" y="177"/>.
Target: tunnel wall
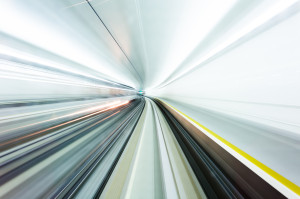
<point x="257" y="80"/>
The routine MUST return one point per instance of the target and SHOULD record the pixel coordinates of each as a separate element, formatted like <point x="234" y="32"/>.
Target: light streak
<point x="275" y="10"/>
<point x="109" y="107"/>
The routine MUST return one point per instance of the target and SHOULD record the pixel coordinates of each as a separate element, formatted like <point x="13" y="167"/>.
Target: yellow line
<point x="295" y="188"/>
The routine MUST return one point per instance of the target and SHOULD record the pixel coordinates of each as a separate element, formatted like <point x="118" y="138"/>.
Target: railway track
<point x="126" y="149"/>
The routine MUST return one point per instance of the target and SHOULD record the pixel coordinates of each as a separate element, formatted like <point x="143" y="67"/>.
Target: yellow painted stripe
<point x="295" y="188"/>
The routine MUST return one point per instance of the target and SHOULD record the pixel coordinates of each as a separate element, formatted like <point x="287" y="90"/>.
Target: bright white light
<point x="260" y="20"/>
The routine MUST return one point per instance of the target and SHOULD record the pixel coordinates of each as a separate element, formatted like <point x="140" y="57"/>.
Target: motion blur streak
<point x="110" y="105"/>
<point x="149" y="99"/>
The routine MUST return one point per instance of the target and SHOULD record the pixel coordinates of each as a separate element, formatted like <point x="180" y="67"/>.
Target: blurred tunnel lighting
<point x="149" y="99"/>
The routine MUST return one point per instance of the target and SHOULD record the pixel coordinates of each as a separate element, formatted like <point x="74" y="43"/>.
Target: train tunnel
<point x="149" y="99"/>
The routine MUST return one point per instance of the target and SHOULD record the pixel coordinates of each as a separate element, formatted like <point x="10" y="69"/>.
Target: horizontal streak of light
<point x="10" y="152"/>
<point x="49" y="111"/>
<point x="36" y="75"/>
<point x="111" y="106"/>
<point x="4" y="50"/>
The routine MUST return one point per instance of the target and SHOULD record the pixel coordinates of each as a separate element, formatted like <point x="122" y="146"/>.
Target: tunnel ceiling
<point x="143" y="44"/>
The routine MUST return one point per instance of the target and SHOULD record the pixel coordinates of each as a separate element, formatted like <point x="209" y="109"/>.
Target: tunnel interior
<point x="149" y="99"/>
